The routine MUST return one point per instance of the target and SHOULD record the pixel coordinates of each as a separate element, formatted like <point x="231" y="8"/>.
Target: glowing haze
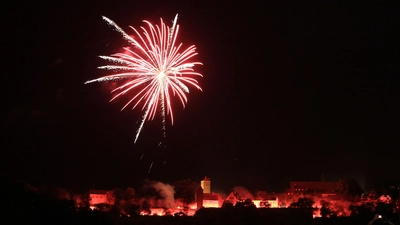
<point x="156" y="67"/>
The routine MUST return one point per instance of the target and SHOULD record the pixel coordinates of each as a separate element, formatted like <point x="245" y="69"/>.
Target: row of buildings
<point x="320" y="189"/>
<point x="204" y="197"/>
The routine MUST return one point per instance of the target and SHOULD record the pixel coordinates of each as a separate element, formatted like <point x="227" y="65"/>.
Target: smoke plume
<point x="166" y="191"/>
<point x="242" y="193"/>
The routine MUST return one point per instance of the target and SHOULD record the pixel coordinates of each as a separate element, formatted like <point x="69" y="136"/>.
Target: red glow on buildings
<point x="321" y="195"/>
<point x="97" y="197"/>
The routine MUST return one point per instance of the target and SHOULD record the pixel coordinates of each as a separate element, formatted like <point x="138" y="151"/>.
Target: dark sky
<point x="290" y="91"/>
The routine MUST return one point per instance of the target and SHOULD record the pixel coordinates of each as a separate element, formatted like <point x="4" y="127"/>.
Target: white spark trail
<point x="151" y="165"/>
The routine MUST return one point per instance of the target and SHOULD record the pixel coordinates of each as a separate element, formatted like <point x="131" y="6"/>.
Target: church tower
<point x="206" y="185"/>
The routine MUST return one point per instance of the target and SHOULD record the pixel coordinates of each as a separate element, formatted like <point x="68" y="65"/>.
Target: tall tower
<point x="206" y="185"/>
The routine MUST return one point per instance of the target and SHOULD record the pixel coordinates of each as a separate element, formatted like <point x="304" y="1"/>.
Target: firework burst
<point x="155" y="67"/>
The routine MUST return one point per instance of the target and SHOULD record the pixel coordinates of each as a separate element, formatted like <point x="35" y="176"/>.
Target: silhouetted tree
<point x="118" y="194"/>
<point x="372" y="195"/>
<point x="133" y="210"/>
<point x="103" y="207"/>
<point x="364" y="210"/>
<point x="387" y="207"/>
<point x="110" y="197"/>
<point x="387" y="188"/>
<point x="303" y="203"/>
<point x="56" y="192"/>
<point x="146" y="207"/>
<point x="247" y="203"/>
<point x="227" y="205"/>
<point x="85" y="197"/>
<point x="115" y="210"/>
<point x="185" y="190"/>
<point x="350" y="189"/>
<point x="119" y="202"/>
<point x="129" y="194"/>
<point x="326" y="209"/>
<point x="149" y="192"/>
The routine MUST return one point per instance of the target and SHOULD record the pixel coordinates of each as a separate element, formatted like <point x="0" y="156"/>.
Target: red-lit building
<point x="317" y="187"/>
<point x="207" y="199"/>
<point x="206" y="185"/>
<point x="263" y="199"/>
<point x="97" y="197"/>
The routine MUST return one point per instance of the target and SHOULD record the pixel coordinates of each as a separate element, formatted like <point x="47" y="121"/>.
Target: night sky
<point x="290" y="91"/>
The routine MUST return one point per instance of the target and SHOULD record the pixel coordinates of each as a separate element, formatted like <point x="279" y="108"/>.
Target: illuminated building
<point x="212" y="200"/>
<point x="266" y="200"/>
<point x="204" y="197"/>
<point x="97" y="197"/>
<point x="232" y="198"/>
<point x="263" y="199"/>
<point x="206" y="185"/>
<point x="300" y="187"/>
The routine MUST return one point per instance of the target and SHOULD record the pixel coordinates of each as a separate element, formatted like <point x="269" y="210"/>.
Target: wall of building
<point x="206" y="185"/>
<point x="98" y="199"/>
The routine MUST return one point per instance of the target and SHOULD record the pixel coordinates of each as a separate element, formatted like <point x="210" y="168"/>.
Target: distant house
<point x="205" y="198"/>
<point x="327" y="191"/>
<point x="313" y="187"/>
<point x="97" y="197"/>
<point x="232" y="198"/>
<point x="263" y="199"/>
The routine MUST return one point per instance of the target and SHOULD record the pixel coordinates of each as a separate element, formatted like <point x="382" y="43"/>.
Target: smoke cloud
<point x="166" y="191"/>
<point x="242" y="193"/>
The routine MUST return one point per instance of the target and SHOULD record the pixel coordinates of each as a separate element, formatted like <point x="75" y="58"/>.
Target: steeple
<point x="206" y="185"/>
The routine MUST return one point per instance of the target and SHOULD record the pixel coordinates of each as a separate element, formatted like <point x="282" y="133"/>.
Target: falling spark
<point x="151" y="165"/>
<point x="157" y="68"/>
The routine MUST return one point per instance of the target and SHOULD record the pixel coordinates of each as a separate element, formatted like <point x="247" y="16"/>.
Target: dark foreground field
<point x="203" y="217"/>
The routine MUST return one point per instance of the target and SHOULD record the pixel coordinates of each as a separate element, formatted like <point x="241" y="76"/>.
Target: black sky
<point x="290" y="91"/>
